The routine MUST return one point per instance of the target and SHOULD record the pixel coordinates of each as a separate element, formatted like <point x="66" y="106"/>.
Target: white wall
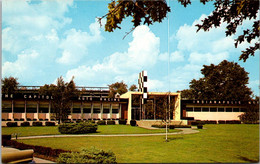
<point x="214" y="115"/>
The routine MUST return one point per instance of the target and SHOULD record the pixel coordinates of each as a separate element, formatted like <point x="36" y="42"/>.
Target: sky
<point x="43" y="40"/>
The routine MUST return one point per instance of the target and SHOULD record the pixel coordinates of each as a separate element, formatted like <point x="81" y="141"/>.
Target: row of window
<point x="214" y="109"/>
<point x="46" y="110"/>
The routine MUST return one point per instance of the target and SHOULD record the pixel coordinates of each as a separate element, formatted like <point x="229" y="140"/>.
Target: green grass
<point x="215" y="144"/>
<point x="102" y="130"/>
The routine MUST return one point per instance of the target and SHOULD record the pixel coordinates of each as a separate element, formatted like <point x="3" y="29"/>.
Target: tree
<point x="225" y="81"/>
<point x="9" y="85"/>
<point x="62" y="94"/>
<point x="133" y="88"/>
<point x="148" y="12"/>
<point x="118" y="87"/>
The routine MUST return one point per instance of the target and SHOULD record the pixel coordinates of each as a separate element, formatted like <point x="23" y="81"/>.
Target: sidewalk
<point x="183" y="131"/>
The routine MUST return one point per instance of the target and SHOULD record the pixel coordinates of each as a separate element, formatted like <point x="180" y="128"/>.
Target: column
<point x="101" y="111"/>
<point x="91" y="111"/>
<point x="37" y="112"/>
<point x="120" y="106"/>
<point x="110" y="111"/>
<point x="71" y="111"/>
<point x="49" y="111"/>
<point x="12" y="118"/>
<point x="25" y="118"/>
<point x="81" y="110"/>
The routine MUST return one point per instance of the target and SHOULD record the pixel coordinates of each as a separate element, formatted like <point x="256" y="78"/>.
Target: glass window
<point x="19" y="108"/>
<point x="31" y="108"/>
<point x="43" y="110"/>
<point x="106" y="110"/>
<point x="221" y="109"/>
<point x="189" y="109"/>
<point x="213" y="109"/>
<point x="7" y="108"/>
<point x="235" y="109"/>
<point x="228" y="109"/>
<point x="243" y="109"/>
<point x="115" y="111"/>
<point x="76" y="110"/>
<point x="96" y="108"/>
<point x="197" y="109"/>
<point x="115" y="108"/>
<point x="86" y="108"/>
<point x="205" y="109"/>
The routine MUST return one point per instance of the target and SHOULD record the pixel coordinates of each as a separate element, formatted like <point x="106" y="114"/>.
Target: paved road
<point x="183" y="131"/>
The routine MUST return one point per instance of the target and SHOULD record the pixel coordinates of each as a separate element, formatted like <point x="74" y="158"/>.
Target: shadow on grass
<point x="247" y="159"/>
<point x="173" y="138"/>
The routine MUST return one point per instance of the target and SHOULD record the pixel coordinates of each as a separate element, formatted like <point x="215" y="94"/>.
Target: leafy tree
<point x="118" y="87"/>
<point x="251" y="115"/>
<point x="225" y="81"/>
<point x="62" y="94"/>
<point x="9" y="85"/>
<point x="133" y="88"/>
<point x="148" y="12"/>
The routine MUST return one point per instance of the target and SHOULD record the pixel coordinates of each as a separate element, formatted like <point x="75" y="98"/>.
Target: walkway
<point x="183" y="131"/>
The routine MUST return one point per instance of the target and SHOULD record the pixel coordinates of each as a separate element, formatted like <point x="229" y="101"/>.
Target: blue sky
<point x="42" y="40"/>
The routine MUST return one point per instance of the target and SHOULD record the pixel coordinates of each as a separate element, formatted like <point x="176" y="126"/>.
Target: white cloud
<point x="207" y="58"/>
<point x="75" y="45"/>
<point x="142" y="54"/>
<point x="176" y="56"/>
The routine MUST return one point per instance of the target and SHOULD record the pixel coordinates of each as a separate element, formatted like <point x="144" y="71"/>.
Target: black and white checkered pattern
<point x="142" y="81"/>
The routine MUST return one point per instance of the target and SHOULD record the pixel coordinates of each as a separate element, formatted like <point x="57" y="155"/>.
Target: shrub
<point x="37" y="123"/>
<point x="5" y="139"/>
<point x="111" y="122"/>
<point x="91" y="121"/>
<point x="92" y="155"/>
<point x="101" y="122"/>
<point x="49" y="123"/>
<point x="11" y="124"/>
<point x="47" y="151"/>
<point x="182" y="126"/>
<point x="78" y="121"/>
<point x="77" y="128"/>
<point x="25" y="124"/>
<point x="233" y="122"/>
<point x="210" y="122"/>
<point x="221" y="121"/>
<point x="133" y="123"/>
<point x="199" y="126"/>
<point x="122" y="122"/>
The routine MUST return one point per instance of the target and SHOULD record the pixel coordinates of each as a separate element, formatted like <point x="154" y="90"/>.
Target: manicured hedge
<point x="133" y="122"/>
<point x="11" y="124"/>
<point x="92" y="155"/>
<point x="47" y="151"/>
<point x="199" y="126"/>
<point x="182" y="126"/>
<point x="221" y="122"/>
<point x="233" y="122"/>
<point x="37" y="123"/>
<point x="101" y="122"/>
<point x="49" y="123"/>
<point x="122" y="122"/>
<point x="77" y="128"/>
<point x="6" y="138"/>
<point x="211" y="122"/>
<point x="91" y="121"/>
<point x="111" y="122"/>
<point x="25" y="124"/>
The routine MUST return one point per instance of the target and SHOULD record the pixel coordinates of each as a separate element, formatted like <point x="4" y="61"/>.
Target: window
<point x="243" y="109"/>
<point x="189" y="109"/>
<point x="228" y="109"/>
<point x="76" y="110"/>
<point x="96" y="110"/>
<point x="115" y="108"/>
<point x="235" y="109"/>
<point x="220" y="109"/>
<point x="106" y="110"/>
<point x="43" y="110"/>
<point x="31" y="108"/>
<point x="196" y="109"/>
<point x="86" y="110"/>
<point x="205" y="109"/>
<point x="19" y="108"/>
<point x="213" y="109"/>
<point x="6" y="108"/>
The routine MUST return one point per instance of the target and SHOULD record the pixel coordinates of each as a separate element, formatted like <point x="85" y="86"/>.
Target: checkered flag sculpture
<point x="142" y="81"/>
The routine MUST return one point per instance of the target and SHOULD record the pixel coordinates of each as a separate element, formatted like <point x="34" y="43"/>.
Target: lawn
<point x="102" y="130"/>
<point x="214" y="144"/>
